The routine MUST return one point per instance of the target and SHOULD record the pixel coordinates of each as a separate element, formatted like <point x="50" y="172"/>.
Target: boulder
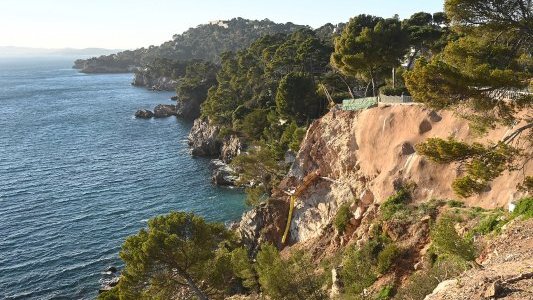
<point x="144" y="114"/>
<point x="174" y="98"/>
<point x="164" y="110"/>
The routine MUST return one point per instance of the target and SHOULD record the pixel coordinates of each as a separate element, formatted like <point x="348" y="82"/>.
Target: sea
<point x="79" y="174"/>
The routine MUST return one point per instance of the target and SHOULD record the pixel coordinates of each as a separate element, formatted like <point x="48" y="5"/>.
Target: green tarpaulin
<point x="361" y="103"/>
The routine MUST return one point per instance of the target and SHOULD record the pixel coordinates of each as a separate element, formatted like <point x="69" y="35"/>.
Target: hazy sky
<point x="136" y="23"/>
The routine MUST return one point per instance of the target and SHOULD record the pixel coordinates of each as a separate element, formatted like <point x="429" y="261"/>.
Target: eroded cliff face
<point x="366" y="155"/>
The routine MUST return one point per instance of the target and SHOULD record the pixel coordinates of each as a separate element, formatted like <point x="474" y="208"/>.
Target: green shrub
<point x="394" y="91"/>
<point x="524" y="207"/>
<point x="243" y="268"/>
<point x="446" y="241"/>
<point x="112" y="294"/>
<point x="343" y="217"/>
<point x="291" y="279"/>
<point x="424" y="282"/>
<point x="455" y="203"/>
<point x="430" y="207"/>
<point x="395" y="203"/>
<point x="360" y="266"/>
<point x="385" y="293"/>
<point x="489" y="223"/>
<point x="357" y="272"/>
<point x="387" y="257"/>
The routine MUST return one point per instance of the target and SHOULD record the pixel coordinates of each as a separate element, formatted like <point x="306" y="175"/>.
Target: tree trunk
<point x="373" y="88"/>
<point x="412" y="59"/>
<point x="199" y="293"/>
<point x="510" y="137"/>
<point x="393" y="77"/>
<point x="367" y="86"/>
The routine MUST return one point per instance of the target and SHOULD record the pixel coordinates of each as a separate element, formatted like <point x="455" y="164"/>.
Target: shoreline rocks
<point x="223" y="174"/>
<point x="144" y="114"/>
<point x="164" y="110"/>
<point x="160" y="111"/>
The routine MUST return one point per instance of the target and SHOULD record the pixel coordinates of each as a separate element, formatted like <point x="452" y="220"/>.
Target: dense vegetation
<point x="205" y="42"/>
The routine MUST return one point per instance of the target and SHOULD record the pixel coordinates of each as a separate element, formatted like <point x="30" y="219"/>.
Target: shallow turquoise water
<point x="78" y="174"/>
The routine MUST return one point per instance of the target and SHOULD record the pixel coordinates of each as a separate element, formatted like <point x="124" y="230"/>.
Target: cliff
<point x="367" y="154"/>
<point x="150" y="81"/>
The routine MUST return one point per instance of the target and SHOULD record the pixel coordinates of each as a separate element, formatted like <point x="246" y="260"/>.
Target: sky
<point x="130" y="24"/>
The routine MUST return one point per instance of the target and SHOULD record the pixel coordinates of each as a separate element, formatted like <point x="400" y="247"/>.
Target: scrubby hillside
<point x="376" y="201"/>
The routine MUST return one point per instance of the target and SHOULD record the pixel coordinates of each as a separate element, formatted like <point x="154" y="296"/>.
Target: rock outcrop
<point x="189" y="109"/>
<point x="144" y="114"/>
<point x="142" y="78"/>
<point x="164" y="110"/>
<point x="263" y="223"/>
<point x="223" y="174"/>
<point x="204" y="140"/>
<point x="231" y="147"/>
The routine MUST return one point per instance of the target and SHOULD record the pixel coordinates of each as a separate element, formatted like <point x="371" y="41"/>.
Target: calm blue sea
<point x="78" y="174"/>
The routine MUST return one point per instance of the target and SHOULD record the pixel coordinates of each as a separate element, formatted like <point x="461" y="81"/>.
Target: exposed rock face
<point x="231" y="147"/>
<point x="223" y="174"/>
<point x="263" y="223"/>
<point x="188" y="109"/>
<point x="164" y="110"/>
<point x="203" y="139"/>
<point x="144" y="114"/>
<point x="142" y="78"/>
<point x="365" y="155"/>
